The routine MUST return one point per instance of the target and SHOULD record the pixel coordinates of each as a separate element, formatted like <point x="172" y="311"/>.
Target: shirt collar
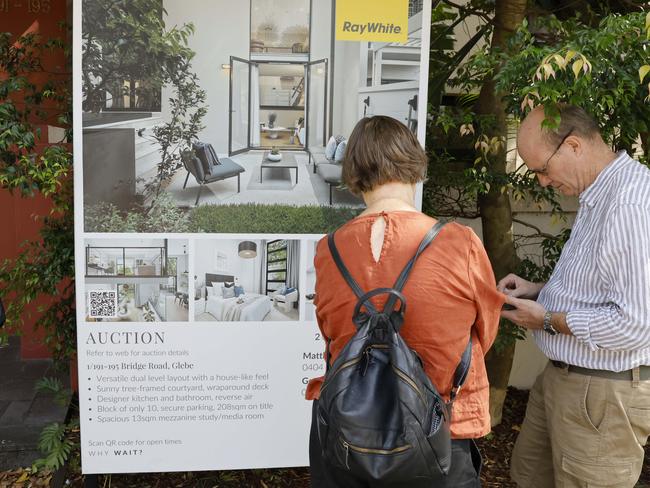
<point x="592" y="193"/>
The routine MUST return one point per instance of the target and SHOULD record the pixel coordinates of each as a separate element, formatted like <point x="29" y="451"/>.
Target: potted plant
<point x="274" y="155"/>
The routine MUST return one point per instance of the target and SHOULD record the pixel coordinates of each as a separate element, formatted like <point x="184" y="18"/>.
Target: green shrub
<point x="280" y="219"/>
<point x="162" y="216"/>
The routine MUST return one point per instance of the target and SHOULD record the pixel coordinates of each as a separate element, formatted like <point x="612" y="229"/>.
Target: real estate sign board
<point x="208" y="149"/>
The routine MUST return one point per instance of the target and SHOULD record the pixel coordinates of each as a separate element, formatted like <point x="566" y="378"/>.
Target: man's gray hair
<point x="574" y="120"/>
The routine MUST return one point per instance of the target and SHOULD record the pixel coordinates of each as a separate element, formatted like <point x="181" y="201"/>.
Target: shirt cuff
<point x="578" y="323"/>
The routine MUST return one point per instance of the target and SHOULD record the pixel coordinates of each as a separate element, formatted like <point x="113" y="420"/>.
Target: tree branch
<point x="536" y="229"/>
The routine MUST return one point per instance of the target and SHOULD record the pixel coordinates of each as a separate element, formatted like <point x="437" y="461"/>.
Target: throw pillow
<point x="202" y="153"/>
<point x="213" y="155"/>
<point x="330" y="149"/>
<point x="228" y="292"/>
<point x="239" y="290"/>
<point x="340" y="151"/>
<point x="281" y="290"/>
<point x="289" y="290"/>
<point x="228" y="284"/>
<point x="212" y="291"/>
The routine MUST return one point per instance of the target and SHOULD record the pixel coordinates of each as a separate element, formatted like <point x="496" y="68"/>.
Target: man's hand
<point x="515" y="286"/>
<point x="527" y="313"/>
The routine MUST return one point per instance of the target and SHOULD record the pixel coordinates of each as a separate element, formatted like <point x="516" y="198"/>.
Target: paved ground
<point x="23" y="411"/>
<point x="277" y="187"/>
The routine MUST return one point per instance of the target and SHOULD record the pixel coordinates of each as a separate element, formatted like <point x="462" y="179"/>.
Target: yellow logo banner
<point x="372" y="20"/>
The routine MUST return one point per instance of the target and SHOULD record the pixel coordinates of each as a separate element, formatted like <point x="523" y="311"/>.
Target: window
<point x="276" y="265"/>
<point x="280" y="26"/>
<point x="126" y="261"/>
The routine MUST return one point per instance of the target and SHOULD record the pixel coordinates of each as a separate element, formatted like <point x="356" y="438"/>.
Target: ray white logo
<point x="371" y="28"/>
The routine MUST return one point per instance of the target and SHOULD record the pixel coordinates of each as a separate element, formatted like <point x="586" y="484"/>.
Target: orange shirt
<point x="450" y="292"/>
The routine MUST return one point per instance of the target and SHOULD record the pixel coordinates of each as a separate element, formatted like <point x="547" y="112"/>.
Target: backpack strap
<point x="403" y="276"/>
<point x="346" y="274"/>
<point x="460" y="375"/>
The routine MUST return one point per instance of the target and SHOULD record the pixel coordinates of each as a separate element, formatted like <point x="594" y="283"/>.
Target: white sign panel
<point x="205" y="174"/>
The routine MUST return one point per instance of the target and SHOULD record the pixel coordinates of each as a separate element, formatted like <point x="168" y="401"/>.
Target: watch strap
<point x="548" y="324"/>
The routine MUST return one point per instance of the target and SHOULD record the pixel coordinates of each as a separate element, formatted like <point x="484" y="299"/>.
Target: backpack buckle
<point x="455" y="390"/>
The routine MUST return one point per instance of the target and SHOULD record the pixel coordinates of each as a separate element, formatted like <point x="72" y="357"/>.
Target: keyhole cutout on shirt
<point x="377" y="234"/>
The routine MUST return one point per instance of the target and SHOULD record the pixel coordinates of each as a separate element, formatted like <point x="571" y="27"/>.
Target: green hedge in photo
<point x="164" y="216"/>
<point x="279" y="219"/>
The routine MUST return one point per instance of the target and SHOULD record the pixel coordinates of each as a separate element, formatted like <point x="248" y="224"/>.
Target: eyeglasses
<point x="543" y="170"/>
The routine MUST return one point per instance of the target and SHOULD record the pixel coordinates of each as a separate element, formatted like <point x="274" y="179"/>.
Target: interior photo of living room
<point x="149" y="279"/>
<point x="281" y="96"/>
<point x="246" y="280"/>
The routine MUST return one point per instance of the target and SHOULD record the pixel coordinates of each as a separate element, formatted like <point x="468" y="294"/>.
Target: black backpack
<point x="379" y="416"/>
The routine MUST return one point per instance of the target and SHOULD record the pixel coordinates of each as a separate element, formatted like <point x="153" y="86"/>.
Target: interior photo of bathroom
<point x="246" y="280"/>
<point x="137" y="280"/>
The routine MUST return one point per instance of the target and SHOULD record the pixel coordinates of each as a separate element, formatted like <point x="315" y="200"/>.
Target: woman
<point x="451" y="292"/>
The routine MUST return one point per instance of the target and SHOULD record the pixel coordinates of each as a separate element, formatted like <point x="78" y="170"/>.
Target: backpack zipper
<point x="365" y="450"/>
<point x="352" y="362"/>
<point x="409" y="382"/>
<point x="345" y="365"/>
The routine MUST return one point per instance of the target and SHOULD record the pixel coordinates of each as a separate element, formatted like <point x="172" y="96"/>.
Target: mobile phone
<point x="507" y="306"/>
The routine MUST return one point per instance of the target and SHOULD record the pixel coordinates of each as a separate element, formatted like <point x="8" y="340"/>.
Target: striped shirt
<point x="602" y="279"/>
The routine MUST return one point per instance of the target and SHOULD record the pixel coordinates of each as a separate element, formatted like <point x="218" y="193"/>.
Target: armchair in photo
<point x="284" y="298"/>
<point x="202" y="163"/>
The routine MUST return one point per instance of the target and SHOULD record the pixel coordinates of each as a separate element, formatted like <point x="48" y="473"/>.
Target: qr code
<point x="102" y="304"/>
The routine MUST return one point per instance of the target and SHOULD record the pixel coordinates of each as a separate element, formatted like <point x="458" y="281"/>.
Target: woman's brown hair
<point x="382" y="150"/>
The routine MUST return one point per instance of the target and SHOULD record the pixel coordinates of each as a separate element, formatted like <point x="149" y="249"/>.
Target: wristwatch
<point x="548" y="326"/>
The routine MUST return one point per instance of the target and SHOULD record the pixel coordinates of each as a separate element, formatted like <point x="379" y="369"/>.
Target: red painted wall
<point x="18" y="221"/>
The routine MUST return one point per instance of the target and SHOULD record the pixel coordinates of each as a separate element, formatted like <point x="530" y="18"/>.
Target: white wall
<point x="177" y="247"/>
<point x="221" y="31"/>
<point x="321" y="29"/>
<point x="346" y="87"/>
<point x="391" y="100"/>
<point x="245" y="270"/>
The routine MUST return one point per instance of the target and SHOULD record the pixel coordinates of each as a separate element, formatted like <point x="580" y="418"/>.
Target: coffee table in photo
<point x="288" y="161"/>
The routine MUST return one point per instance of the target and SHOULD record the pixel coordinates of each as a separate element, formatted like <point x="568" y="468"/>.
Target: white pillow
<point x="340" y="151"/>
<point x="330" y="149"/>
<point x="212" y="291"/>
<point x="228" y="292"/>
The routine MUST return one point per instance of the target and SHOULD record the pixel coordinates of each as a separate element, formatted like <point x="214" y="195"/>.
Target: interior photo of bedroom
<point x="282" y="96"/>
<point x="137" y="280"/>
<point x="246" y="280"/>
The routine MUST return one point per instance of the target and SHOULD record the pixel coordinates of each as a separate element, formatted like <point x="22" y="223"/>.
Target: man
<point x="588" y="415"/>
